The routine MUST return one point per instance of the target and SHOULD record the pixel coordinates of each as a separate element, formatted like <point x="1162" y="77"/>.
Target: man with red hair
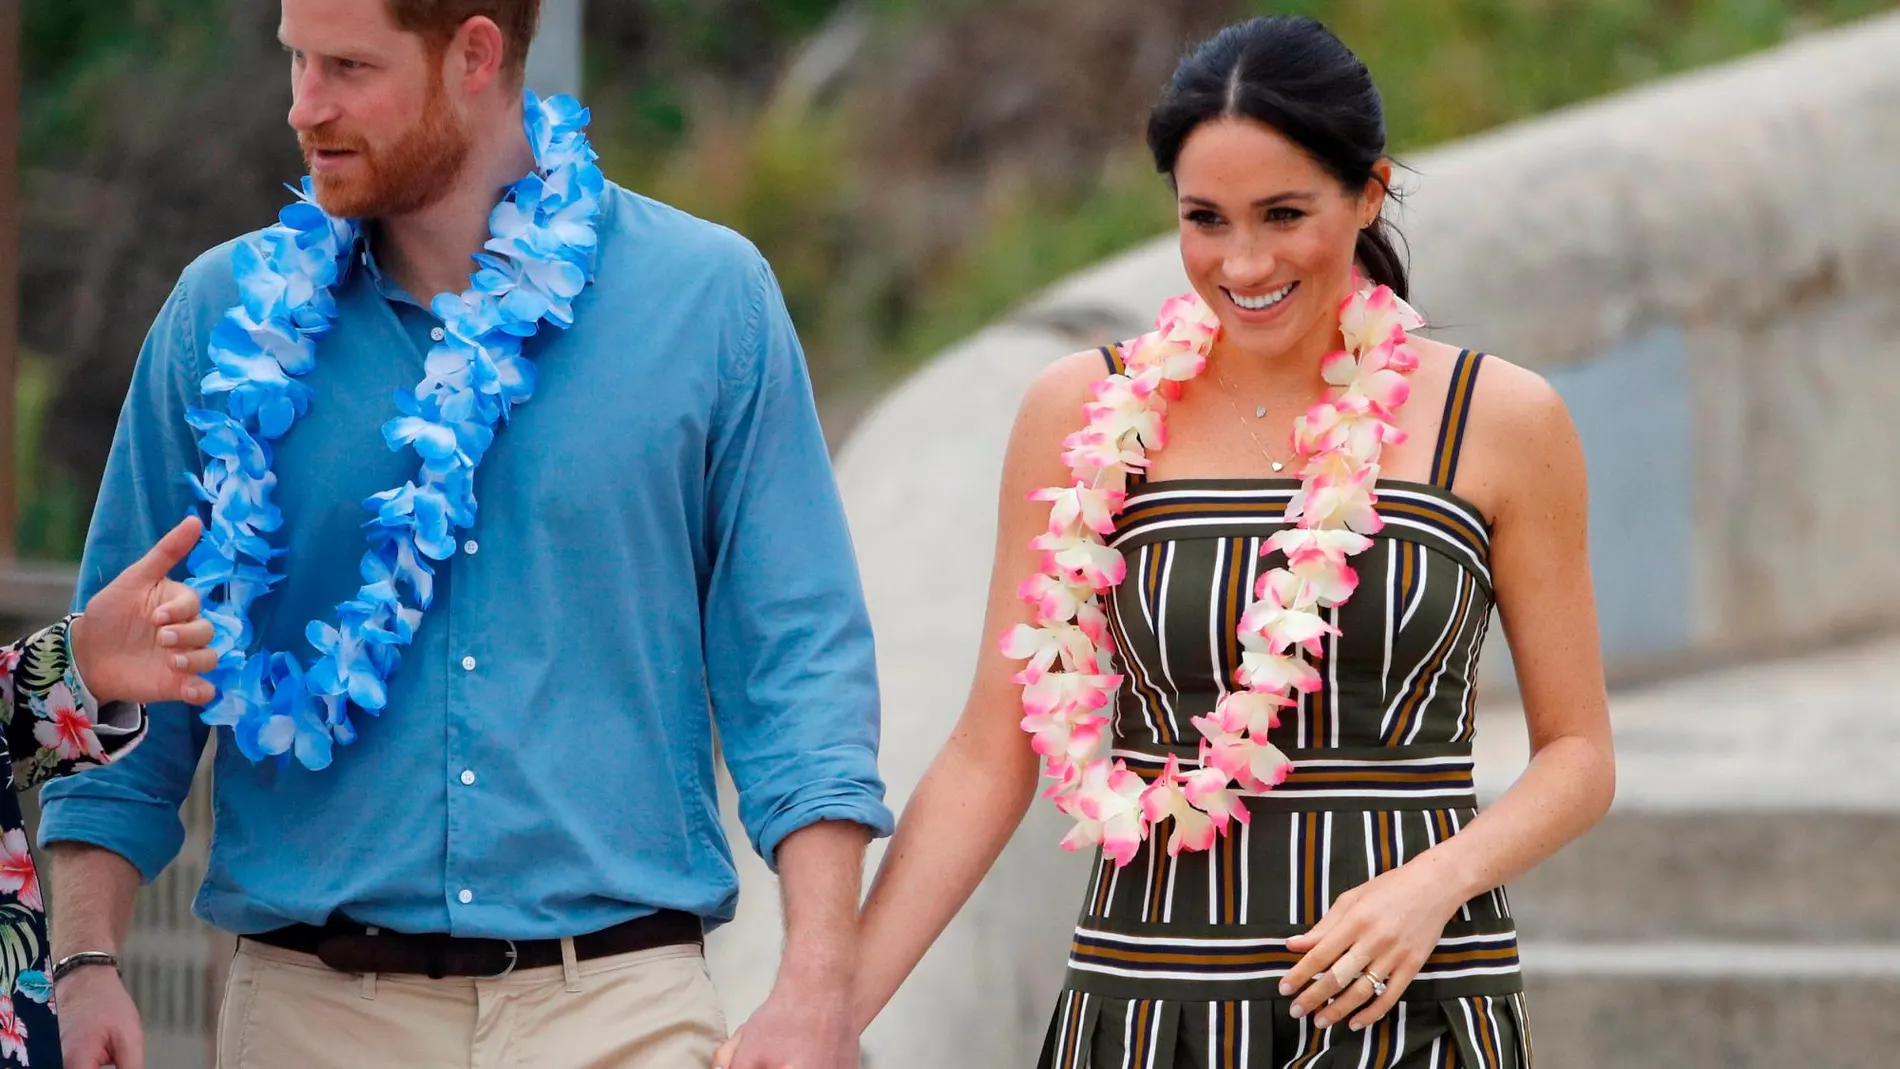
<point x="511" y="853"/>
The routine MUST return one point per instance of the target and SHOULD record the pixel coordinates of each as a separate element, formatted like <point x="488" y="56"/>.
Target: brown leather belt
<point x="349" y="947"/>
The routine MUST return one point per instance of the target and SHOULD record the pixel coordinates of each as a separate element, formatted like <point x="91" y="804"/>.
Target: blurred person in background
<point x="1244" y="569"/>
<point x="70" y="696"/>
<point x="465" y="775"/>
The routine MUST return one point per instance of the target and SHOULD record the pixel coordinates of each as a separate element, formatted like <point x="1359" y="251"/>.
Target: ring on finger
<point x="1377" y="982"/>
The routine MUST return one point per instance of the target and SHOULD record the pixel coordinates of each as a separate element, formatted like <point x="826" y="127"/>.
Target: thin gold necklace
<point x="1260" y="412"/>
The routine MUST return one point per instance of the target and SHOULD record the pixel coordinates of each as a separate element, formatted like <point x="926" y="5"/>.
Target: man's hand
<point x="141" y="638"/>
<point x="795" y="1029"/>
<point x="809" y="1020"/>
<point x="98" y="1024"/>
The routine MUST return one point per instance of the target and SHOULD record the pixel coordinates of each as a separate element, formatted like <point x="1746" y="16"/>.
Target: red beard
<point x="405" y="176"/>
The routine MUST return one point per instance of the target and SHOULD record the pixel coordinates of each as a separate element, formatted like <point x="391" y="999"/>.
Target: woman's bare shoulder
<point x="1056" y="397"/>
<point x="1520" y="443"/>
<point x="1512" y="400"/>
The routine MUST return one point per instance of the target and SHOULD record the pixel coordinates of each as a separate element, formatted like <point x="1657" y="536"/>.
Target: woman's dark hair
<point x="1292" y="74"/>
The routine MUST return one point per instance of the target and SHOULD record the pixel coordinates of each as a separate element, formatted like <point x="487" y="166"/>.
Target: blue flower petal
<point x="276" y="734"/>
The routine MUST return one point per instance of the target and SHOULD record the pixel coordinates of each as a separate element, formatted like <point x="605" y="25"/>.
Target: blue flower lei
<point x="538" y="260"/>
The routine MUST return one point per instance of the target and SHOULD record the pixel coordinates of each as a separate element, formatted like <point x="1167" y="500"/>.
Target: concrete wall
<point x="555" y="61"/>
<point x="1708" y="269"/>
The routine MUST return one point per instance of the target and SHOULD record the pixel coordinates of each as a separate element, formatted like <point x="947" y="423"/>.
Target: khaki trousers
<point x="652" y="1009"/>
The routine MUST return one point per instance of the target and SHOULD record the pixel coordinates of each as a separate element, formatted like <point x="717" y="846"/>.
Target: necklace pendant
<point x="1260" y="412"/>
<point x="1277" y="466"/>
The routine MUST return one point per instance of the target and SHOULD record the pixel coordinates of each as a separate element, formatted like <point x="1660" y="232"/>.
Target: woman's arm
<point x="1540" y="564"/>
<point x="1525" y="447"/>
<point x="976" y="790"/>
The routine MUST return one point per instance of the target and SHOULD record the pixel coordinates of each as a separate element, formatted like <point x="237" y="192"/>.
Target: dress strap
<point x="1451" y="430"/>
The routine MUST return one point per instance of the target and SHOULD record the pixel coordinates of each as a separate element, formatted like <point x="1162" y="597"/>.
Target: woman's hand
<point x="722" y="1059"/>
<point x="1382" y="930"/>
<point x="141" y="638"/>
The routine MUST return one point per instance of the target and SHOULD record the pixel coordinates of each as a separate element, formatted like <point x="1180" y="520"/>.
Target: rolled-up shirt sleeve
<point x="789" y="657"/>
<point x="130" y="807"/>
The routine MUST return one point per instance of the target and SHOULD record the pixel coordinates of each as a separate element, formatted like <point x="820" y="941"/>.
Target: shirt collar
<point x="364" y="253"/>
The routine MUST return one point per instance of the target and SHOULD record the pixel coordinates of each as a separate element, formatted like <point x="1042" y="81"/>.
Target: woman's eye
<point x="1202" y="217"/>
<point x="1284" y="215"/>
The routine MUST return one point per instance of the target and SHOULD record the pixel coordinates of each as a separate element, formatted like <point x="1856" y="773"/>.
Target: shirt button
<point x="468" y="664"/>
<point x="468" y="778"/>
<point x="471" y="547"/>
<point x="437" y="334"/>
<point x="465" y="896"/>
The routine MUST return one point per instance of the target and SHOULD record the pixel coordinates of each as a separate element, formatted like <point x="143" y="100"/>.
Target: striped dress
<point x="1176" y="962"/>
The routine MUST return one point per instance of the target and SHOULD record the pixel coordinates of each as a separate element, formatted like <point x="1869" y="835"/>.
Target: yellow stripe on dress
<point x="1458" y="404"/>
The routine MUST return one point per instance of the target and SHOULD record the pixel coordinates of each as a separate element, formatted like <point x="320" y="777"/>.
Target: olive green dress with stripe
<point x="1176" y="962"/>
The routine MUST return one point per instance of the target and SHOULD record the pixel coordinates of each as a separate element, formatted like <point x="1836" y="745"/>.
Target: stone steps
<point x="1740" y="905"/>
<point x="1719" y="940"/>
<point x="1690" y="940"/>
<point x="1819" y="877"/>
<point x="1713" y="1006"/>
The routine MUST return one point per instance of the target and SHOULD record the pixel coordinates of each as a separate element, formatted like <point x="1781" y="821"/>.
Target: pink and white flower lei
<point x="1069" y="681"/>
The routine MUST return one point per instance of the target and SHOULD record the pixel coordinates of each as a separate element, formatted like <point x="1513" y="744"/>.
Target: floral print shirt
<point x="54" y="728"/>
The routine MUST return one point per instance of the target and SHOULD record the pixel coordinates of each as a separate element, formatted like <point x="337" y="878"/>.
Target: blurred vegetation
<point x="912" y="170"/>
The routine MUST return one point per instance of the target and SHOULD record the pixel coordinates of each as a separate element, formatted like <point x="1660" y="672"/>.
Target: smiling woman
<point x="1339" y="122"/>
<point x="1255" y="693"/>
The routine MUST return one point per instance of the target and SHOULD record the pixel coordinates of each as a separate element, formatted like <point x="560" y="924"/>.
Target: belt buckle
<point x="514" y="958"/>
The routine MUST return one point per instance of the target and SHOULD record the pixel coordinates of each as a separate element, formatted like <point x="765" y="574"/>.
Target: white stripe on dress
<point x="1460" y="616"/>
<point x="1458" y="545"/>
<point x="1161" y="636"/>
<point x="1293" y="869"/>
<point x="1152" y="713"/>
<point x="1468" y="708"/>
<point x="1392" y="710"/>
<point x="1154" y="874"/>
<point x="1391" y="614"/>
<point x="1418" y="592"/>
<point x="1246" y="872"/>
<point x="1332" y="676"/>
<point x="1216" y="606"/>
<point x="1471" y="519"/>
<point x="1167" y="896"/>
<point x="1326" y="862"/>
